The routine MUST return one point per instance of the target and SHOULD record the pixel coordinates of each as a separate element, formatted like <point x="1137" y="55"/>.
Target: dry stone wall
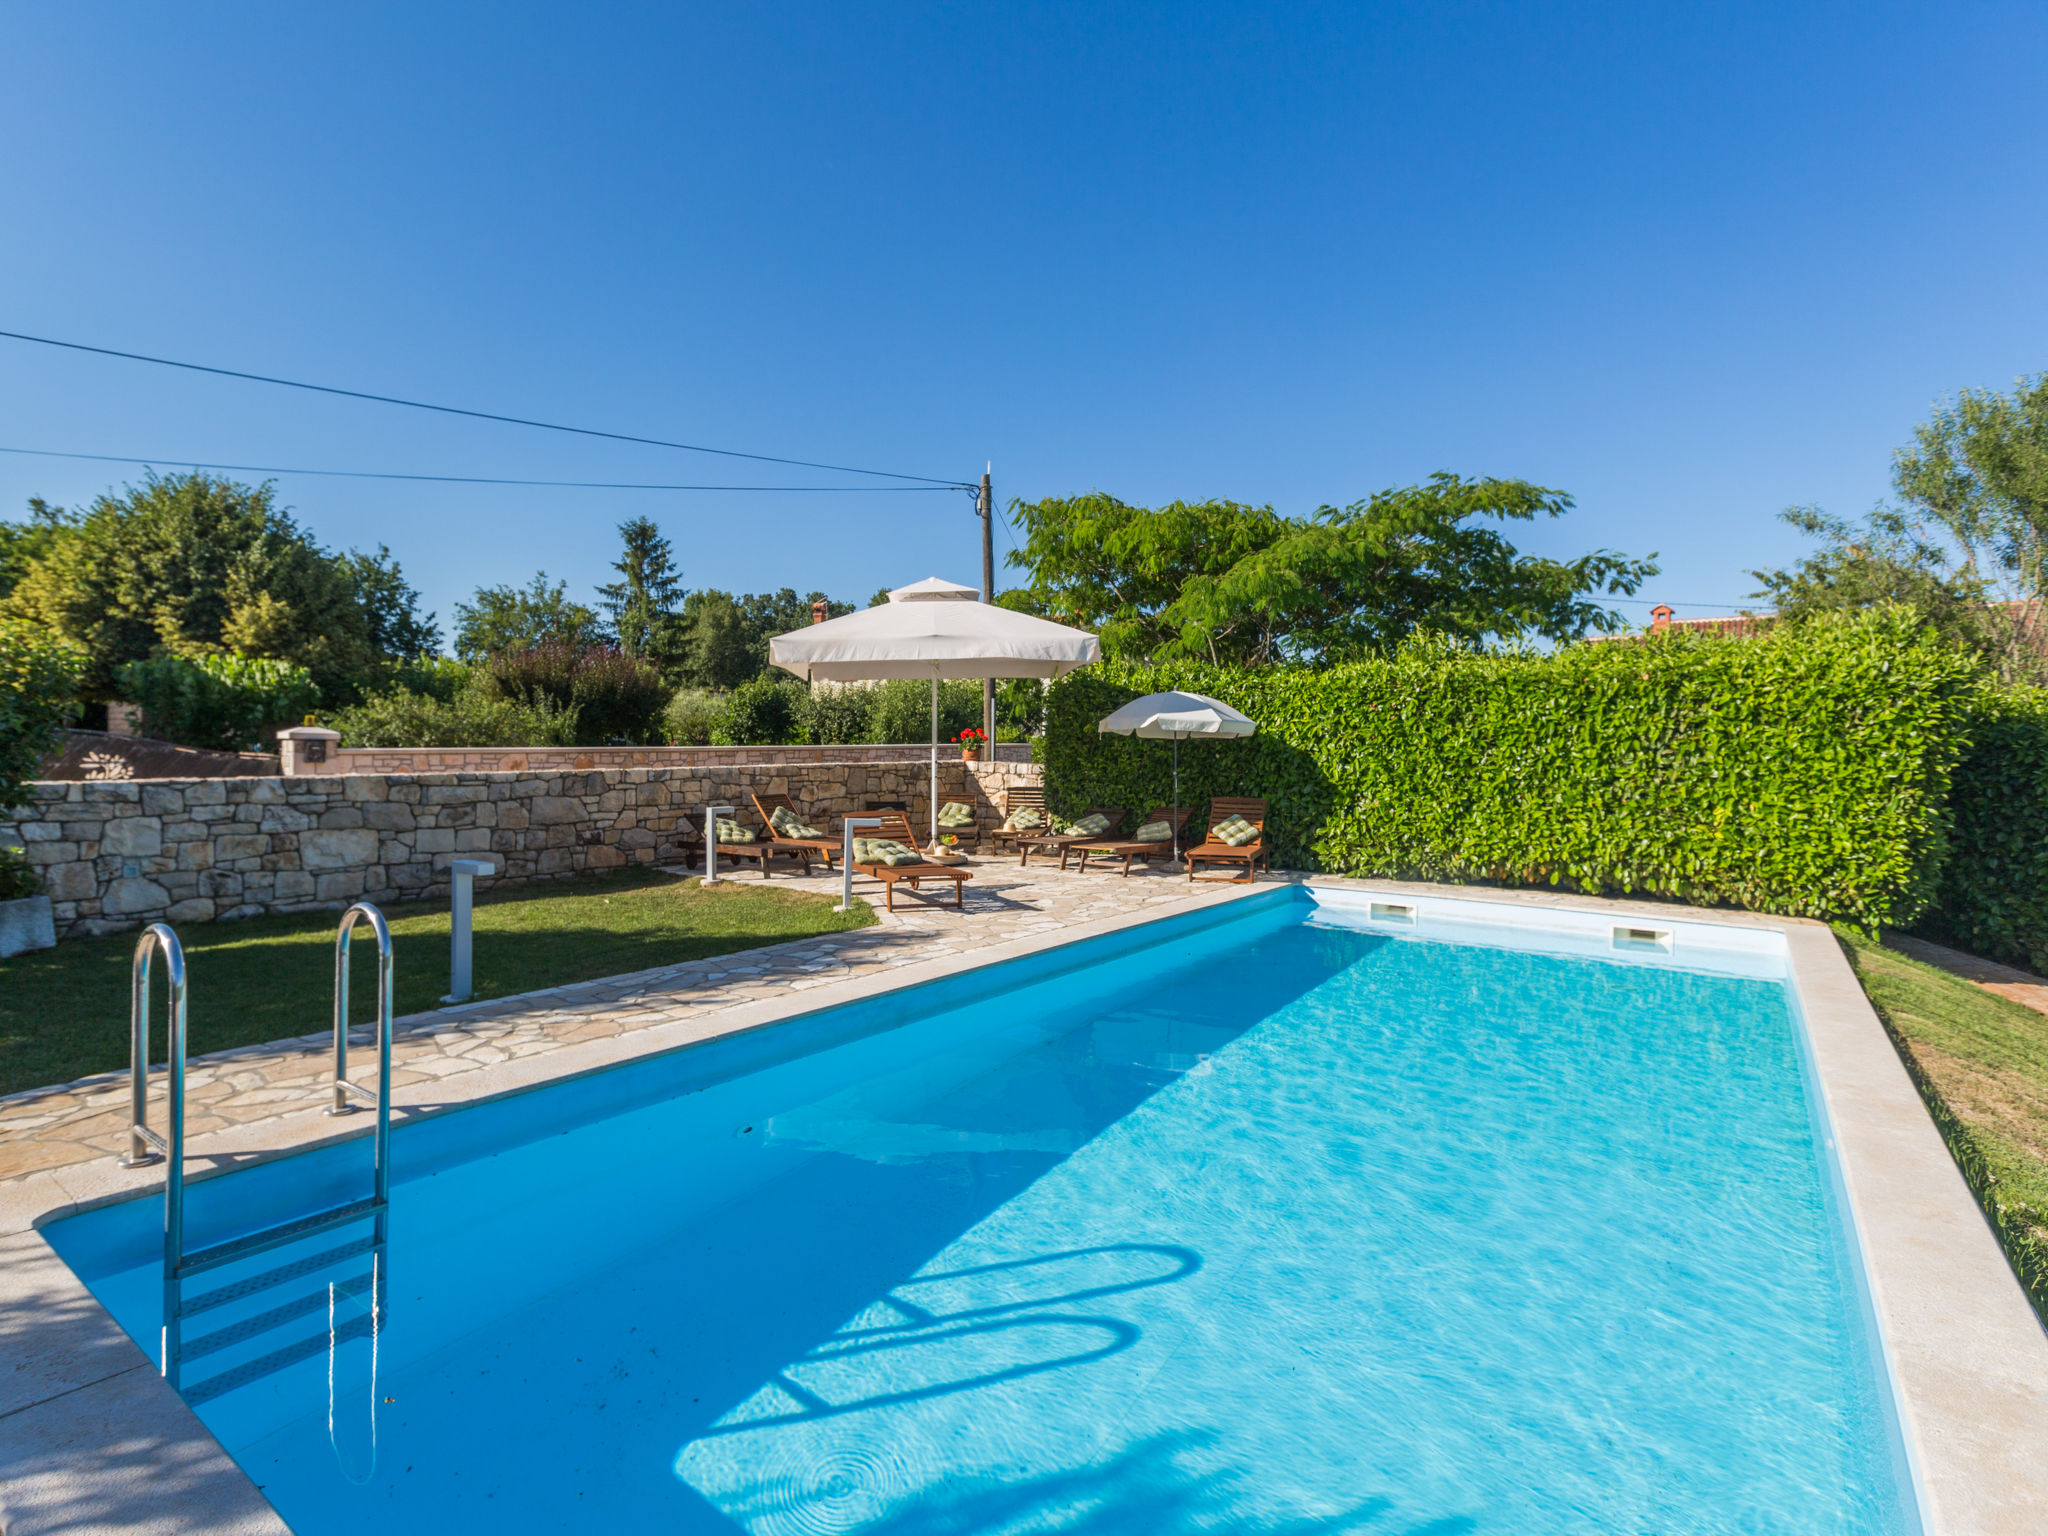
<point x="116" y="855"/>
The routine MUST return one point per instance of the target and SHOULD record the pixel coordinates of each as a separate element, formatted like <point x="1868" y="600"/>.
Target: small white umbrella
<point x="1173" y="715"/>
<point x="934" y="629"/>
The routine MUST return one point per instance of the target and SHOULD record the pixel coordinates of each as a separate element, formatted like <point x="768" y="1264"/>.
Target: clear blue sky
<point x="1690" y="264"/>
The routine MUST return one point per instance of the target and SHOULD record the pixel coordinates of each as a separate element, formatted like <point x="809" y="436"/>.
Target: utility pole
<point x="988" y="595"/>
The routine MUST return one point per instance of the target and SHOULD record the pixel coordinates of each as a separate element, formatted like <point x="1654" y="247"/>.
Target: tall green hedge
<point x="1805" y="772"/>
<point x="1994" y="888"/>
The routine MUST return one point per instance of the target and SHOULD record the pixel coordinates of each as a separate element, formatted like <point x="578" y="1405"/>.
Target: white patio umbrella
<point x="1176" y="715"/>
<point x="933" y="629"/>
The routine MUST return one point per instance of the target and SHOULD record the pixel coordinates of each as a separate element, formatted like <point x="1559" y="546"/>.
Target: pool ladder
<point x="145" y="1147"/>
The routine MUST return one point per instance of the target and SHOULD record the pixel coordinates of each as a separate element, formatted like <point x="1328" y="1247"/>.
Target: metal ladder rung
<point x="265" y="1322"/>
<point x="239" y="1290"/>
<point x="277" y="1236"/>
<point x="146" y="1146"/>
<point x="361" y="1326"/>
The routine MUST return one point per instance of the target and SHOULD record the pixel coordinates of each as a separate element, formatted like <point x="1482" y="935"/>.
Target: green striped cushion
<point x="1094" y="824"/>
<point x="956" y="813"/>
<point x="1154" y="832"/>
<point x="730" y="831"/>
<point x="1235" y="831"/>
<point x="789" y="824"/>
<point x="882" y="850"/>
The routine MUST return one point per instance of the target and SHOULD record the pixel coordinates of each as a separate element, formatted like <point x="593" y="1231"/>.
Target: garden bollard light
<point x="846" y="858"/>
<point x="462" y="875"/>
<point x="711" y="815"/>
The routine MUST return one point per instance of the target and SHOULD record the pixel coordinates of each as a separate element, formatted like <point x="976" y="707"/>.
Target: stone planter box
<point x="26" y="924"/>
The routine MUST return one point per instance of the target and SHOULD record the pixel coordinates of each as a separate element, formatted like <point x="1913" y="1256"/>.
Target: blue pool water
<point x="1251" y="1224"/>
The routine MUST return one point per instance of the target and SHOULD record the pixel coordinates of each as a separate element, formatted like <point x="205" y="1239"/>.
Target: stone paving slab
<point x="79" y="1122"/>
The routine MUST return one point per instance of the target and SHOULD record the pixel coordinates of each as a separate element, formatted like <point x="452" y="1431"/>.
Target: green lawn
<point x="1981" y="1062"/>
<point x="64" y="1011"/>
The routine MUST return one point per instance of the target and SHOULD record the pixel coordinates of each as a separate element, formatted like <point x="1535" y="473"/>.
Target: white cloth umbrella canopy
<point x="1174" y="715"/>
<point x="938" y="630"/>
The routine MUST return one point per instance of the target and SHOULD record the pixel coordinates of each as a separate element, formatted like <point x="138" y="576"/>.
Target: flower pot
<point x="970" y="754"/>
<point x="25" y="924"/>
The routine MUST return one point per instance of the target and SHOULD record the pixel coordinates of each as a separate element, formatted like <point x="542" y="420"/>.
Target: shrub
<point x="477" y="716"/>
<point x="39" y="679"/>
<point x="617" y="698"/>
<point x="1806" y="772"/>
<point x="438" y="677"/>
<point x="765" y="712"/>
<point x="902" y="709"/>
<point x="17" y="876"/>
<point x="838" y="716"/>
<point x="1994" y="887"/>
<point x="691" y="715"/>
<point x="224" y="702"/>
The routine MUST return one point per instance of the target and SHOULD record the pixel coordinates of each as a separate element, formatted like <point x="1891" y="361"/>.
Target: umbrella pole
<point x="1175" y="817"/>
<point x="935" y="762"/>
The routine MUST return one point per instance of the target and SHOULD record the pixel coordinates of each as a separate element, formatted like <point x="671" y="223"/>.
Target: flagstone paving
<point x="78" y="1122"/>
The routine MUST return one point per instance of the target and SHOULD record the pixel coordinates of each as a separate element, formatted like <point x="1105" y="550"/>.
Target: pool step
<point x="277" y="1236"/>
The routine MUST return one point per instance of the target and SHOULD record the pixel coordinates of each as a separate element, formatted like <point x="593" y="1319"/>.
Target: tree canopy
<point x="643" y="602"/>
<point x="192" y="565"/>
<point x="1966" y="546"/>
<point x="508" y="618"/>
<point x="1227" y="582"/>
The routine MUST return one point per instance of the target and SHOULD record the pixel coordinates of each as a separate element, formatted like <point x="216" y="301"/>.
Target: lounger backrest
<point x="768" y="805"/>
<point x="1253" y="810"/>
<point x="895" y="826"/>
<point x="1018" y="796"/>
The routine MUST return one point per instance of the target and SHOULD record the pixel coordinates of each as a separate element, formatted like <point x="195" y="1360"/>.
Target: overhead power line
<point x="455" y="410"/>
<point x="371" y="474"/>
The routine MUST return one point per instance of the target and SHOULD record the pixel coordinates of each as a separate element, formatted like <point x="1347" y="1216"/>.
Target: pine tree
<point x="643" y="603"/>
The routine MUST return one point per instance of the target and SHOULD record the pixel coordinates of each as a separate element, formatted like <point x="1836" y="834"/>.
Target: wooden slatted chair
<point x="895" y="826"/>
<point x="764" y="852"/>
<point x="1016" y="798"/>
<point x="826" y="848"/>
<point x="1214" y="851"/>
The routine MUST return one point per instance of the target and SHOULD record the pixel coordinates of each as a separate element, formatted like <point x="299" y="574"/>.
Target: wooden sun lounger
<point x="763" y="853"/>
<point x="1251" y="855"/>
<point x="826" y="848"/>
<point x="1016" y="798"/>
<point x="1129" y="849"/>
<point x="1047" y="842"/>
<point x="895" y="826"/>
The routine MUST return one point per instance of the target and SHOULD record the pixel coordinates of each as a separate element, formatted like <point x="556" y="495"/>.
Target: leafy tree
<point x="222" y="702"/>
<point x="518" y="618"/>
<point x="24" y="543"/>
<point x="39" y="680"/>
<point x="725" y="638"/>
<point x="643" y="602"/>
<point x="391" y="607"/>
<point x="1979" y="470"/>
<point x="1233" y="583"/>
<point x="190" y="564"/>
<point x="1966" y="548"/>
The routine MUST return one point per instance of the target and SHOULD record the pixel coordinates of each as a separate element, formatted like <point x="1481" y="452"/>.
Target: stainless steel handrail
<point x="146" y="1147"/>
<point x="140" y="1137"/>
<point x="169" y="1147"/>
<point x="343" y="1087"/>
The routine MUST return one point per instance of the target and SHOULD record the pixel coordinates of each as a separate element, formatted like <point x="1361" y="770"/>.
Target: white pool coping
<point x="92" y="1440"/>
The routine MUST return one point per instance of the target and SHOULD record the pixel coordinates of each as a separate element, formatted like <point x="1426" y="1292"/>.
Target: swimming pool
<point x="1295" y="1215"/>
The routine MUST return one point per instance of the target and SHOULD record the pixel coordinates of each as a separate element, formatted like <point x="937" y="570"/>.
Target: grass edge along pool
<point x="485" y="1131"/>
